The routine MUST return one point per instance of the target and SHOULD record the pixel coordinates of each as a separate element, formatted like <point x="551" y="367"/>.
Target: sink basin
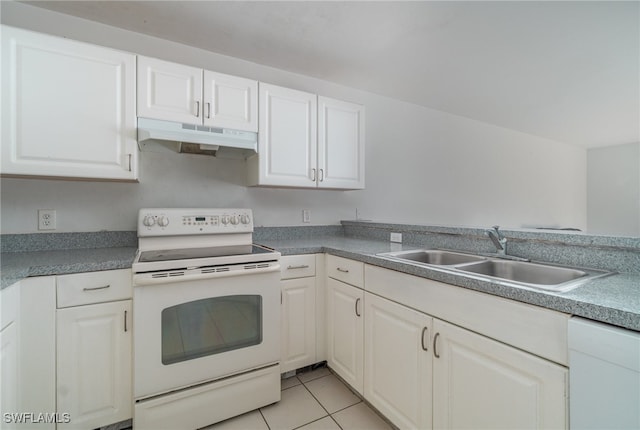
<point x="511" y="272"/>
<point x="433" y="256"/>
<point x="532" y="274"/>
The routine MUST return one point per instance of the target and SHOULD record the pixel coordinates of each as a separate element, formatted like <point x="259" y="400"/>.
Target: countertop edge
<point x="122" y="258"/>
<point x="554" y="301"/>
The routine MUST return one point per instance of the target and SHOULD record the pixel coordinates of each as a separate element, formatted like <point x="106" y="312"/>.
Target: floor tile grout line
<point x="347" y="407"/>
<point x="335" y="421"/>
<point x="264" y="419"/>
<point x="315" y="398"/>
<point x="330" y="414"/>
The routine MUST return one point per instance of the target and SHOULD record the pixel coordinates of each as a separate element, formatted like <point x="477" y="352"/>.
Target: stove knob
<point x="245" y="219"/>
<point x="149" y="221"/>
<point x="234" y="220"/>
<point x="225" y="219"/>
<point x="163" y="221"/>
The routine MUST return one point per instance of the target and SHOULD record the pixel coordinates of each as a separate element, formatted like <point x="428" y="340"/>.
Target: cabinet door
<point x="482" y="383"/>
<point x="9" y="371"/>
<point x="397" y="363"/>
<point x="230" y="102"/>
<point x="68" y="108"/>
<point x="9" y="352"/>
<point x="340" y="144"/>
<point x="345" y="332"/>
<point x="94" y="364"/>
<point x="298" y="323"/>
<point x="169" y="91"/>
<point x="287" y="140"/>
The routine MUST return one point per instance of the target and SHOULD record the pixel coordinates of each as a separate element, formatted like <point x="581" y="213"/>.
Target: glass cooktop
<point x="191" y="253"/>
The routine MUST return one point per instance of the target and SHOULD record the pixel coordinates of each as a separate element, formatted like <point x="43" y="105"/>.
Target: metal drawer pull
<point x="197" y="109"/>
<point x="435" y="350"/>
<point x="424" y="347"/>
<point x="357" y="301"/>
<point x="125" y="321"/>
<point x="96" y="288"/>
<point x="340" y="269"/>
<point x="302" y="266"/>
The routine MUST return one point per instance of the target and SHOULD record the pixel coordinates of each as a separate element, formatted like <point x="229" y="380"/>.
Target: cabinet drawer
<point x="345" y="270"/>
<point x="297" y="266"/>
<point x="93" y="287"/>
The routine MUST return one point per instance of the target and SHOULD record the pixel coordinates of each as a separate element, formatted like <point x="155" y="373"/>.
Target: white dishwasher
<point x="604" y="376"/>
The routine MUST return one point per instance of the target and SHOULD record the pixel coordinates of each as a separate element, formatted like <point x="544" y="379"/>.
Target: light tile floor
<point x="315" y="400"/>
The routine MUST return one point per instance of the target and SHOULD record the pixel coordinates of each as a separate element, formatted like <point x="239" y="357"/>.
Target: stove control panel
<point x="174" y="222"/>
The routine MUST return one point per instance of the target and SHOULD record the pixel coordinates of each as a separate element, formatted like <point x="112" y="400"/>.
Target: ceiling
<point x="566" y="71"/>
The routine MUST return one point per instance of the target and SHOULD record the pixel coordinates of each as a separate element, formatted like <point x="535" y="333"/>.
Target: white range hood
<point x="153" y="135"/>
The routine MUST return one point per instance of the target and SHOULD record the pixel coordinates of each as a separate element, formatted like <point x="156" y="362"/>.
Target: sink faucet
<point x="498" y="240"/>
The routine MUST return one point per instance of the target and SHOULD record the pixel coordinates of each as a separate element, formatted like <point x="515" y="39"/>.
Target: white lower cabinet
<point x="345" y="332"/>
<point x="298" y="288"/>
<point x="397" y="362"/>
<point x="94" y="349"/>
<point x="422" y="372"/>
<point x="9" y="352"/>
<point x="27" y="354"/>
<point x="482" y="383"/>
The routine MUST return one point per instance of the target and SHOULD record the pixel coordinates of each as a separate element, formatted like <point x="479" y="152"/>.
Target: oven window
<point x="210" y="326"/>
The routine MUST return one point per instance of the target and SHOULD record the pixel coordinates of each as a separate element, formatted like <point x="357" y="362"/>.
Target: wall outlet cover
<point x="396" y="237"/>
<point x="46" y="219"/>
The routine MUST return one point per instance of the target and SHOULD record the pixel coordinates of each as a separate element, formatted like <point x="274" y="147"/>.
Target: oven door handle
<point x="185" y="275"/>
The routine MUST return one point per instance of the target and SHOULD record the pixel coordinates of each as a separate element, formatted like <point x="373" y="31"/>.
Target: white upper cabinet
<point x="230" y="102"/>
<point x="169" y="91"/>
<point x="308" y="141"/>
<point x="68" y="108"/>
<point x="175" y="92"/>
<point x="340" y="144"/>
<point x="287" y="138"/>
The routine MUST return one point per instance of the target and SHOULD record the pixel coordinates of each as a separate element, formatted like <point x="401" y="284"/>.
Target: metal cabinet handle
<point x="197" y="108"/>
<point x="129" y="162"/>
<point x="208" y="110"/>
<point x="424" y="345"/>
<point x="302" y="266"/>
<point x="357" y="301"/>
<point x="96" y="288"/>
<point x="313" y="175"/>
<point x="435" y="345"/>
<point x="340" y="269"/>
<point x="321" y="175"/>
<point x="125" y="321"/>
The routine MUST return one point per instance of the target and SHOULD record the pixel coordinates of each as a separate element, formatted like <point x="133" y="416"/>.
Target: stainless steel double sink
<point x="515" y="273"/>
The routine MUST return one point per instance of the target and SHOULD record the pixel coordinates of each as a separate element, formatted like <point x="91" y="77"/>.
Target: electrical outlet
<point x="46" y="219"/>
<point x="396" y="237"/>
<point x="306" y="215"/>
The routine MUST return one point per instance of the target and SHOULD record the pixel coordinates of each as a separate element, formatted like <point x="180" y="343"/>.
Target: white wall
<point x="422" y="165"/>
<point x="613" y="185"/>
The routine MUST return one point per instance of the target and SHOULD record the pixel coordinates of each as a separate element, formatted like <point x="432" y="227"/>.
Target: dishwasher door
<point x="604" y="376"/>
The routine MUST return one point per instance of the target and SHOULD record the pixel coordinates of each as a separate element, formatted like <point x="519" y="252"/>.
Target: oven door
<point x="191" y="332"/>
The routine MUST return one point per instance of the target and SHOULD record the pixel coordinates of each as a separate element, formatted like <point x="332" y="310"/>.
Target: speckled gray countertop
<point x="20" y="265"/>
<point x="613" y="299"/>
